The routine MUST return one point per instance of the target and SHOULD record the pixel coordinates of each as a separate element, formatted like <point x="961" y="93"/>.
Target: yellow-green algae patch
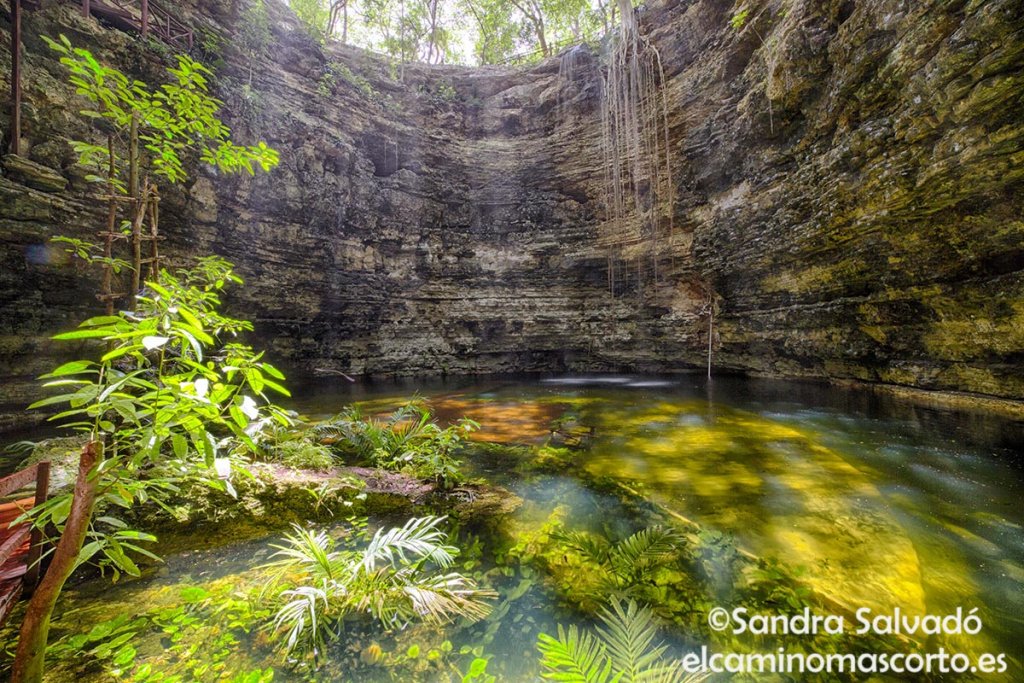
<point x="776" y="489"/>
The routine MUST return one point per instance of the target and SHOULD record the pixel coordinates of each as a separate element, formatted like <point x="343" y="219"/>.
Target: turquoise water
<point x="882" y="503"/>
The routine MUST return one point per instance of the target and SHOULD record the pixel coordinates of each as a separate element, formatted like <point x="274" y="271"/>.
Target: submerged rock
<point x="63" y="454"/>
<point x="276" y="496"/>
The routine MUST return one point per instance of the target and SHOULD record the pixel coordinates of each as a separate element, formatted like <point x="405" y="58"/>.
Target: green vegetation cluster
<point x="443" y="31"/>
<point x="408" y="440"/>
<point x="170" y="397"/>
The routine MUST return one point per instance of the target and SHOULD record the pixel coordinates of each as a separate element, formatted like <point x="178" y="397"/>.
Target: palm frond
<point x="629" y="635"/>
<point x="379" y="594"/>
<point x="643" y="550"/>
<point x="390" y="580"/>
<point x="441" y="598"/>
<point x="671" y="672"/>
<point x="302" y="617"/>
<point x="308" y="551"/>
<point x="595" y="548"/>
<point x="419" y="538"/>
<point x="574" y="657"/>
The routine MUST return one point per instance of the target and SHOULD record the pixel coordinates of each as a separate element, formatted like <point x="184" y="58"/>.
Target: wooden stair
<point x="143" y="17"/>
<point x="20" y="544"/>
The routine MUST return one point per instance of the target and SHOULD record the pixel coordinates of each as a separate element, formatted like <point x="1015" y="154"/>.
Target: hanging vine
<point x="637" y="158"/>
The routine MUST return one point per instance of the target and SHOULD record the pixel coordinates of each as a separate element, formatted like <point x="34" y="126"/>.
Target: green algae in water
<point x="864" y="503"/>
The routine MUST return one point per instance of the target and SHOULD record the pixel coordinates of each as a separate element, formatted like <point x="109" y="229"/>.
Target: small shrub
<point x="739" y="20"/>
<point x="303" y="454"/>
<point x="409" y="440"/>
<point x="336" y="72"/>
<point x="396" y="576"/>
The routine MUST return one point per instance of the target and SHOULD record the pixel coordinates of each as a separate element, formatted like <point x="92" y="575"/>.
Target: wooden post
<point x="15" y="76"/>
<point x="145" y="18"/>
<point x="30" y="657"/>
<point x="86" y="10"/>
<point x="108" y="237"/>
<point x="35" y="552"/>
<point x="154" y="234"/>
<point x="133" y="157"/>
<point x="141" y="205"/>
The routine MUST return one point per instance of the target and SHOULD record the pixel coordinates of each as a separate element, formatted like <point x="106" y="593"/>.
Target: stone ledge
<point x="33" y="175"/>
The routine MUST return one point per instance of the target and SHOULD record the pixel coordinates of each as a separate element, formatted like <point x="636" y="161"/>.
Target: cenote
<point x="472" y="341"/>
<point x="788" y="496"/>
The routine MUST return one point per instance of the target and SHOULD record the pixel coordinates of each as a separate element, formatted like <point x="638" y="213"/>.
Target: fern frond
<point x="629" y="635"/>
<point x="574" y="657"/>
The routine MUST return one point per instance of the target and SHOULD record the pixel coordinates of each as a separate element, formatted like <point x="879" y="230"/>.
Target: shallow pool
<point x="875" y="503"/>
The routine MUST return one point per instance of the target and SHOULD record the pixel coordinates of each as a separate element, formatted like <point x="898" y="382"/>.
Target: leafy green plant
<point x="336" y="72"/>
<point x="108" y="640"/>
<point x="778" y="587"/>
<point x="175" y="118"/>
<point x="329" y="492"/>
<point x="254" y="38"/>
<point x="622" y="650"/>
<point x="717" y="560"/>
<point x="203" y="619"/>
<point x="626" y="563"/>
<point x="254" y="676"/>
<point x="441" y="94"/>
<point x="170" y="397"/>
<point x="739" y="19"/>
<point x="303" y="454"/>
<point x="477" y="672"/>
<point x="389" y="578"/>
<point x="145" y="129"/>
<point x="408" y="440"/>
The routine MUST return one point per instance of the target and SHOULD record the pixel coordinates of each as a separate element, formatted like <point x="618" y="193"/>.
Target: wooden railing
<point x="142" y="16"/>
<point x="21" y="545"/>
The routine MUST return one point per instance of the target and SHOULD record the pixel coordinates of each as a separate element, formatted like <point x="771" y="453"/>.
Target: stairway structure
<point x="141" y="16"/>
<point x="20" y="544"/>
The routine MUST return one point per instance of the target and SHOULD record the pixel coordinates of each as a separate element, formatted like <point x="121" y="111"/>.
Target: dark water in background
<point x="886" y="502"/>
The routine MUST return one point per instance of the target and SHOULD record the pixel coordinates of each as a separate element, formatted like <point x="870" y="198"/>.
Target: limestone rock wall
<point x="847" y="177"/>
<point x="868" y="223"/>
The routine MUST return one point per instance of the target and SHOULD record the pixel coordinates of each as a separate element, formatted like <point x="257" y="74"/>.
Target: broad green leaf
<point x="52" y="400"/>
<point x="85" y="334"/>
<point x="154" y="342"/>
<point x="75" y="367"/>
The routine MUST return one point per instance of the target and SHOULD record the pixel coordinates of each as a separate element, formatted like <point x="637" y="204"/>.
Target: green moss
<point x="62" y="452"/>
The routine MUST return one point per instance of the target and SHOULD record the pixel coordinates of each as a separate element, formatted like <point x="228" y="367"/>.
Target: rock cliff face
<point x="845" y="172"/>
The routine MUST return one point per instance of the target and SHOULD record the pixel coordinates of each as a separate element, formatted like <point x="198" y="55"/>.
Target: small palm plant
<point x="626" y="563"/>
<point x="395" y="578"/>
<point x="622" y="650"/>
<point x="408" y="440"/>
